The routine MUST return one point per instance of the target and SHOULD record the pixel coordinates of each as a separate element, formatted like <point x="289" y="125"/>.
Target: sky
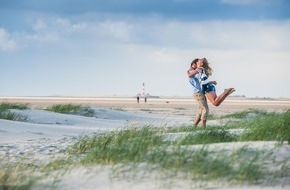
<point x="112" y="47"/>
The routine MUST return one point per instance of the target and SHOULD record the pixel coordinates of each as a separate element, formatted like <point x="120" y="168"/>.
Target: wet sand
<point x="172" y="106"/>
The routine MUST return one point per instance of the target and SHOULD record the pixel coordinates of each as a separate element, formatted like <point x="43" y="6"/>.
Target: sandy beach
<point x="46" y="135"/>
<point x="178" y="106"/>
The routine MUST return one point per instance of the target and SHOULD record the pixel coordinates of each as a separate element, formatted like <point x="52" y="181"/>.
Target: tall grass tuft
<point x="72" y="109"/>
<point x="249" y="113"/>
<point x="6" y="113"/>
<point x="119" y="147"/>
<point x="7" y="106"/>
<point x="208" y="136"/>
<point x="271" y="127"/>
<point x="14" y="179"/>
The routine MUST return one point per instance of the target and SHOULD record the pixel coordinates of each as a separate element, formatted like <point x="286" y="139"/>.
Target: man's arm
<point x="191" y="73"/>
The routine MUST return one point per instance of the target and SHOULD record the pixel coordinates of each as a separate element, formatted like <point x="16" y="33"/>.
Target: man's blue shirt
<point x="194" y="81"/>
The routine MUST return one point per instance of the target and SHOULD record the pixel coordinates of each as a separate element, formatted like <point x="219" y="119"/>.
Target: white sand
<point x="46" y="134"/>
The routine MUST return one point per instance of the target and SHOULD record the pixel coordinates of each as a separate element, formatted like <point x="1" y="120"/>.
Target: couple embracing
<point x="204" y="89"/>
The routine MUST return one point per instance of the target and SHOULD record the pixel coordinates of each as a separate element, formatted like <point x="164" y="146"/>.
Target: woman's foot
<point x="231" y="90"/>
<point x="227" y="90"/>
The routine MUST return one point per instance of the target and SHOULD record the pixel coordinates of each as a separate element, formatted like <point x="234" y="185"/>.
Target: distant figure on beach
<point x="198" y="95"/>
<point x="145" y="99"/>
<point x="207" y="86"/>
<point x="138" y="98"/>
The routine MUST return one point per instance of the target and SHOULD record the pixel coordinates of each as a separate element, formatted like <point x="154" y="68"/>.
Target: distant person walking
<point x="203" y="110"/>
<point x="138" y="98"/>
<point x="207" y="86"/>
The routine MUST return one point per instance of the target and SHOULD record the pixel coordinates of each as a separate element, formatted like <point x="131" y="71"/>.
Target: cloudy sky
<point x="110" y="47"/>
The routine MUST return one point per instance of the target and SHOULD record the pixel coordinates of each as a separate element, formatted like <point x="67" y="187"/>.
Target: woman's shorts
<point x="209" y="87"/>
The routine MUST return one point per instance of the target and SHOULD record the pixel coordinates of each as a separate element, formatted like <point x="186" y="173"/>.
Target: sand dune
<point x="46" y="135"/>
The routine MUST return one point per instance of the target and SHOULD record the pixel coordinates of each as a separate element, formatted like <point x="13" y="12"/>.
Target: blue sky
<point x="110" y="47"/>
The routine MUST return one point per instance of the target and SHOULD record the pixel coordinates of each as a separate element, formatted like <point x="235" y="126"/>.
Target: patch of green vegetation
<point x="125" y="146"/>
<point x="250" y="164"/>
<point x="269" y="127"/>
<point x="6" y="113"/>
<point x="204" y="165"/>
<point x="209" y="135"/>
<point x="132" y="147"/>
<point x="249" y="113"/>
<point x="13" y="178"/>
<point x="72" y="109"/>
<point x="212" y="117"/>
<point x="181" y="128"/>
<point x="7" y="106"/>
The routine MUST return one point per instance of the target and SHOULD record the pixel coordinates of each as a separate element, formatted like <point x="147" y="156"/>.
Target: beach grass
<point x="257" y="125"/>
<point x="7" y="114"/>
<point x="14" y="178"/>
<point x="248" y="113"/>
<point x="18" y="106"/>
<point x="72" y="109"/>
<point x="270" y="127"/>
<point x="132" y="147"/>
<point x="130" y="144"/>
<point x="208" y="136"/>
<point x="143" y="150"/>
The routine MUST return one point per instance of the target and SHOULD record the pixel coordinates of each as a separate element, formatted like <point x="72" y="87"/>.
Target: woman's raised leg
<point x="217" y="100"/>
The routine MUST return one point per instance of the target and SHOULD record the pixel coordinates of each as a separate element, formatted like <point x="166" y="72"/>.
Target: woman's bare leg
<point x="224" y="95"/>
<point x="211" y="96"/>
<point x="217" y="100"/>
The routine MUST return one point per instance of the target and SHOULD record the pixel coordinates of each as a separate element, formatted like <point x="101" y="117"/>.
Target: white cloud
<point x="39" y="25"/>
<point x="267" y="35"/>
<point x="119" y="30"/>
<point x="46" y="37"/>
<point x="164" y="56"/>
<point x="63" y="22"/>
<point x="6" y="43"/>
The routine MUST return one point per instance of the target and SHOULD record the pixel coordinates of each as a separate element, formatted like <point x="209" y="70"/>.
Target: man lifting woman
<point x="203" y="88"/>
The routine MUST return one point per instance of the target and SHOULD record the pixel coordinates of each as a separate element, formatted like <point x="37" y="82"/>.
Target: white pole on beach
<point x="143" y="89"/>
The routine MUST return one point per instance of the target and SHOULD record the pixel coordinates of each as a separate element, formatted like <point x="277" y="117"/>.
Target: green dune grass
<point x="6" y="113"/>
<point x="72" y="109"/>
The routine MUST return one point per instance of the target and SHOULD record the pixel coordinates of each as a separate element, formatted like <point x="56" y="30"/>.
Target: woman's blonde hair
<point x="207" y="68"/>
